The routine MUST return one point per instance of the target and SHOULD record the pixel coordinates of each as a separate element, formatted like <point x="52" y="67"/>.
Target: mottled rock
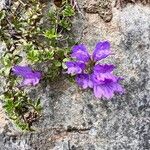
<point x="5" y="4"/>
<point x="72" y="119"/>
<point x="101" y="7"/>
<point x="123" y="3"/>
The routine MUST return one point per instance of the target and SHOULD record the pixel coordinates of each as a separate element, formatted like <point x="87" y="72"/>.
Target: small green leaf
<point x="52" y="17"/>
<point x="5" y="71"/>
<point x="7" y="60"/>
<point x="33" y="55"/>
<point x="17" y="59"/>
<point x="47" y="55"/>
<point x="68" y="11"/>
<point x="51" y="34"/>
<point x="37" y="103"/>
<point x="2" y="15"/>
<point x="65" y="24"/>
<point x="66" y="59"/>
<point x="57" y="63"/>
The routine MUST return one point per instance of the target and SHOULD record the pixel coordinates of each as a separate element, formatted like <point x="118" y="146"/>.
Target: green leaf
<point x="5" y="71"/>
<point x="66" y="59"/>
<point x="17" y="59"/>
<point x="47" y="55"/>
<point x="37" y="102"/>
<point x="57" y="63"/>
<point x="38" y="105"/>
<point x="2" y="15"/>
<point x="9" y="106"/>
<point x="52" y="17"/>
<point x="28" y="46"/>
<point x="7" y="60"/>
<point x="65" y="24"/>
<point x="22" y="125"/>
<point x="7" y="95"/>
<point x="68" y="11"/>
<point x="63" y="64"/>
<point x="51" y="34"/>
<point x="33" y="55"/>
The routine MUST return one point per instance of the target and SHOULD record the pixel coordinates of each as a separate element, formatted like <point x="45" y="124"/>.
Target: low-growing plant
<point x="32" y="38"/>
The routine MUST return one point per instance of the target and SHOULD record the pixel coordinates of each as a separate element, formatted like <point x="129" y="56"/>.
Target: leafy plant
<point x="29" y="38"/>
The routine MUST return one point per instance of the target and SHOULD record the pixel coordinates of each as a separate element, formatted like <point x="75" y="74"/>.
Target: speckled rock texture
<point x="4" y="4"/>
<point x="73" y="119"/>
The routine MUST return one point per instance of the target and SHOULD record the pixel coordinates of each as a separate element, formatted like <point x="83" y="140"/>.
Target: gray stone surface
<point x="5" y="4"/>
<point x="73" y="119"/>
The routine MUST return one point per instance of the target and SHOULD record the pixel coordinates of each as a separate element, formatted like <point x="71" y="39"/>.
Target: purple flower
<point x="103" y="72"/>
<point x="29" y="76"/>
<point x="102" y="50"/>
<point x="90" y="74"/>
<point x="80" y="53"/>
<point x="103" y="68"/>
<point x="107" y="87"/>
<point x="75" y="67"/>
<point x="84" y="81"/>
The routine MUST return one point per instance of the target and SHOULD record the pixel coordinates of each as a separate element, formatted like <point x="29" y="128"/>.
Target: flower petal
<point x="103" y="68"/>
<point x="30" y="81"/>
<point x="117" y="87"/>
<point x="84" y="81"/>
<point x="98" y="92"/>
<point x="29" y="76"/>
<point x="102" y="72"/>
<point x="80" y="53"/>
<point x="102" y="50"/>
<point x="100" y="78"/>
<point x="75" y="67"/>
<point x="108" y="92"/>
<point x="107" y="89"/>
<point x="21" y="70"/>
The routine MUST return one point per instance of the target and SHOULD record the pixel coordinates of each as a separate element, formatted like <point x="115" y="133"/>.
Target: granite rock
<point x="72" y="119"/>
<point x="5" y="4"/>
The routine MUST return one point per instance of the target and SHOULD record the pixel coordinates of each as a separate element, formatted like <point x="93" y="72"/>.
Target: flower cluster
<point x="29" y="76"/>
<point x="90" y="74"/>
<point x="87" y="69"/>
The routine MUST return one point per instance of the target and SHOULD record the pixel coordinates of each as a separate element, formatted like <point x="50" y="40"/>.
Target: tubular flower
<point x="90" y="74"/>
<point x="29" y="76"/>
<point x="84" y="81"/>
<point x="75" y="67"/>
